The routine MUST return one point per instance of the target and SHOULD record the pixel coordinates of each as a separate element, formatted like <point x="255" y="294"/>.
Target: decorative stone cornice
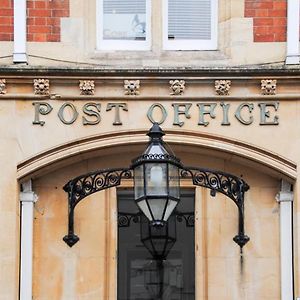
<point x="41" y="86"/>
<point x="131" y="87"/>
<point x="222" y="87"/>
<point x="2" y="86"/>
<point x="268" y="86"/>
<point x="155" y="88"/>
<point x="212" y="71"/>
<point x="87" y="87"/>
<point x="177" y="87"/>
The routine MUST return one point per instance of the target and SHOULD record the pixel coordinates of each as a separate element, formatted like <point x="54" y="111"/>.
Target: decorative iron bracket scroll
<point x="227" y="184"/>
<point x="125" y="219"/>
<point x="85" y="185"/>
<point x="188" y="217"/>
<point x="217" y="181"/>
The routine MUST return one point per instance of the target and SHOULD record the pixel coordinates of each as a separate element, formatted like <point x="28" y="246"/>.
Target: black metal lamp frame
<point x="231" y="186"/>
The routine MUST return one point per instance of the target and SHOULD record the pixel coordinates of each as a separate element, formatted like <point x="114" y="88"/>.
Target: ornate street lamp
<point x="156" y="179"/>
<point x="156" y="175"/>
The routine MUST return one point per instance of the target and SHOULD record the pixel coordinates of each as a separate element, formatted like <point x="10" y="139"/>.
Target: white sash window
<point x="190" y="24"/>
<point x="124" y="25"/>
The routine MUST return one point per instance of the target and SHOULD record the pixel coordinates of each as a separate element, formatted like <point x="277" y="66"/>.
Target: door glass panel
<point x="140" y="276"/>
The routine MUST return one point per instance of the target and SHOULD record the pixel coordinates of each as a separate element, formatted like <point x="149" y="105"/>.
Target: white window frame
<point x="292" y="45"/>
<point x="103" y="44"/>
<point x="191" y="44"/>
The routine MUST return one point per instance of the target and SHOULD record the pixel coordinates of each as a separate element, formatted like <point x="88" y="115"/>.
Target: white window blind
<point x="124" y="24"/>
<point x="189" y="19"/>
<point x="124" y="6"/>
<point x="190" y="24"/>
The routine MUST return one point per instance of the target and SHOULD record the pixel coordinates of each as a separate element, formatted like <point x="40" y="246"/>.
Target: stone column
<point x="285" y="198"/>
<point x="27" y="198"/>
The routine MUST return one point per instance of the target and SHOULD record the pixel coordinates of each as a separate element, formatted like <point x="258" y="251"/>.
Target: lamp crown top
<point x="155" y="132"/>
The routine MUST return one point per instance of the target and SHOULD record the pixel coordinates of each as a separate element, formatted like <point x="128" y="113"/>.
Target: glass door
<point x="143" y="275"/>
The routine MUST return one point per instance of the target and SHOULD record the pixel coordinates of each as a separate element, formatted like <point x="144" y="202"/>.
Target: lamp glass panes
<point x="156" y="179"/>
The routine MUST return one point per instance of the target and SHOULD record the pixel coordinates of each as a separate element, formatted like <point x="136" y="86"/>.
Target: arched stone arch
<point x="248" y="154"/>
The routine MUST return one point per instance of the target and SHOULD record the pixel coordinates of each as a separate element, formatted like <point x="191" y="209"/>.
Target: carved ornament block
<point x="41" y="86"/>
<point x="222" y="87"/>
<point x="268" y="86"/>
<point x="2" y="86"/>
<point x="132" y="87"/>
<point x="177" y="87"/>
<point x="87" y="87"/>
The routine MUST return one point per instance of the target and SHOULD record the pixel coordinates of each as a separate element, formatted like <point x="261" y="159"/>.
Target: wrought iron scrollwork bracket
<point x="227" y="184"/>
<point x="125" y="219"/>
<point x="188" y="217"/>
<point x="85" y="185"/>
<point x="231" y="186"/>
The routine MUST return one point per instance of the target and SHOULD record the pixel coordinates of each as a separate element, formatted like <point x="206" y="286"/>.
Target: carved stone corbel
<point x="177" y="87"/>
<point x="268" y="86"/>
<point x="41" y="86"/>
<point x="222" y="87"/>
<point x="132" y="87"/>
<point x="2" y="86"/>
<point x="87" y="87"/>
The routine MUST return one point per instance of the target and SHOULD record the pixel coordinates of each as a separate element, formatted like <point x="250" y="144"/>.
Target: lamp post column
<point x="27" y="199"/>
<point x="285" y="198"/>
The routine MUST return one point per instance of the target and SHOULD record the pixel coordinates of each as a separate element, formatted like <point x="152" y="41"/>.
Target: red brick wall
<point x="6" y="20"/>
<point x="269" y="19"/>
<point x="43" y="19"/>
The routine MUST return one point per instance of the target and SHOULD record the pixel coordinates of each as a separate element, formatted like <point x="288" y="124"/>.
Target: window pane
<point x="139" y="181"/>
<point x="144" y="208"/>
<point x="124" y="20"/>
<point x="174" y="181"/>
<point x="156" y="181"/>
<point x="189" y="19"/>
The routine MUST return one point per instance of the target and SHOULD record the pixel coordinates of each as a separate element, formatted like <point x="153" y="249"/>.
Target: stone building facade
<point x="81" y="83"/>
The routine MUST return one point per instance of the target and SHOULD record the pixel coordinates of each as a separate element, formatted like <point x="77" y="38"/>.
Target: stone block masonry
<point x="269" y="19"/>
<point x="43" y="19"/>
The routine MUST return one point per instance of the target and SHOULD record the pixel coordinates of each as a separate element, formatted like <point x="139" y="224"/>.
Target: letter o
<point x="61" y="113"/>
<point x="163" y="111"/>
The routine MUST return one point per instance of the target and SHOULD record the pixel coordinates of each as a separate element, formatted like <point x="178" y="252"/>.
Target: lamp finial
<point x="155" y="132"/>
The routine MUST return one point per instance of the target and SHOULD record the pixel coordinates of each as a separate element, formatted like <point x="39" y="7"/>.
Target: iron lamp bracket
<point x="82" y="186"/>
